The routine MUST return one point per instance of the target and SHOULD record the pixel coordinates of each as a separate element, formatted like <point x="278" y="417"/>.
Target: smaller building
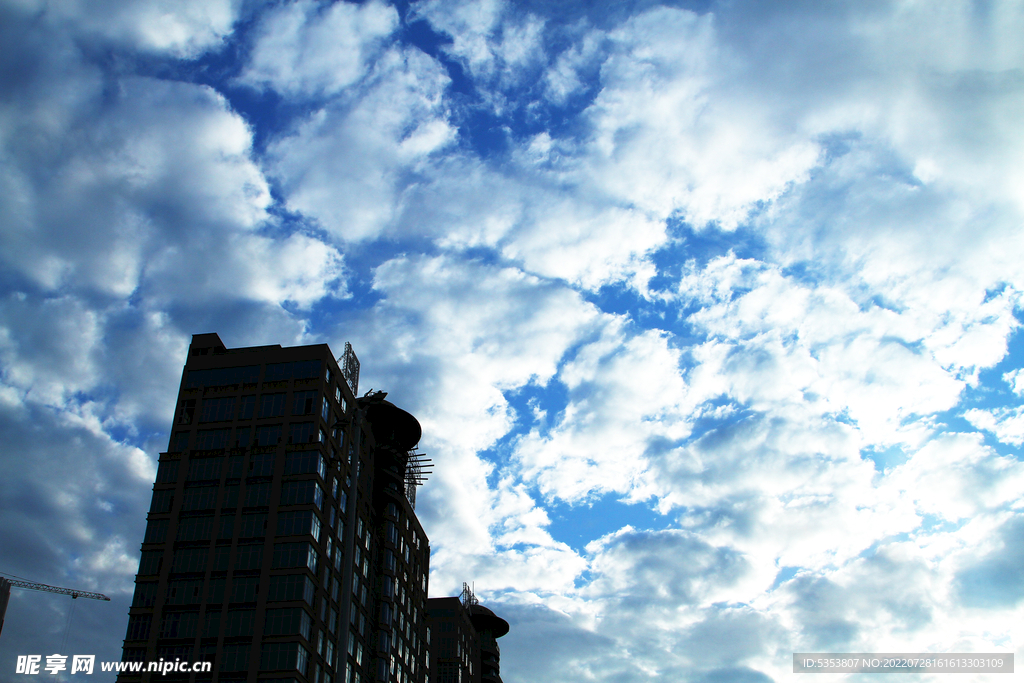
<point x="464" y="645"/>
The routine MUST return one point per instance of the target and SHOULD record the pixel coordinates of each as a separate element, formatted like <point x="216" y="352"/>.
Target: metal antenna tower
<point x="416" y="472"/>
<point x="350" y="368"/>
<point x="468" y="596"/>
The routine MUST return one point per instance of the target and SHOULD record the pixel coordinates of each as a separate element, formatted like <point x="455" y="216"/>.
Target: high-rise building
<point x="464" y="636"/>
<point x="282" y="541"/>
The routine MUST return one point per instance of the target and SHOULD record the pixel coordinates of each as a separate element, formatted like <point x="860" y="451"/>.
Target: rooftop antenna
<point x="350" y="368"/>
<point x="468" y="596"/>
<point x="416" y="472"/>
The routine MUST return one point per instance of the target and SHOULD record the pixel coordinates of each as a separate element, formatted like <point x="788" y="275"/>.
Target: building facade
<point x="464" y="637"/>
<point x="282" y="542"/>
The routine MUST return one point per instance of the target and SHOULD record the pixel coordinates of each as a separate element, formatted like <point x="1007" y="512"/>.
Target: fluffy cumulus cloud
<point x="305" y="48"/>
<point x="181" y="29"/>
<point x="710" y="313"/>
<point x="348" y="163"/>
<point x="671" y="134"/>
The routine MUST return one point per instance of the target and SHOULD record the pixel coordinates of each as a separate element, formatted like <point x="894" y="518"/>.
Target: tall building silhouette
<point x="282" y="541"/>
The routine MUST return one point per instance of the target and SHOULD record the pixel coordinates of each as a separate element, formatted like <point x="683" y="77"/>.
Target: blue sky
<point x="710" y="311"/>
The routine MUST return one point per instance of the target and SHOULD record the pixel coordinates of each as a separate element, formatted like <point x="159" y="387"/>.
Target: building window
<point x="221" y="558"/>
<point x="162" y="501"/>
<point x="262" y="464"/>
<point x="253" y="525"/>
<point x="167" y="472"/>
<point x="302" y="660"/>
<point x="272" y="405"/>
<point x="150" y="562"/>
<point x="179" y="442"/>
<point x="298" y="522"/>
<point x="211" y="628"/>
<point x="291" y="587"/>
<point x="249" y="556"/>
<point x="268" y="435"/>
<point x="204" y="469"/>
<point x="218" y="409"/>
<point x="236" y="657"/>
<point x="230" y="496"/>
<point x="302" y="402"/>
<point x="186" y="411"/>
<point x="156" y="531"/>
<point x="210" y="439"/>
<point x="239" y="622"/>
<point x="244" y="588"/>
<point x="305" y="462"/>
<point x="145" y="595"/>
<point x="302" y="493"/>
<point x="199" y="497"/>
<point x="301" y="432"/>
<point x="215" y="591"/>
<point x="195" y="528"/>
<point x="290" y="555"/>
<point x="246" y="407"/>
<point x="257" y="495"/>
<point x="138" y="627"/>
<point x="222" y="377"/>
<point x="305" y="369"/>
<point x="179" y="625"/>
<point x="287" y="621"/>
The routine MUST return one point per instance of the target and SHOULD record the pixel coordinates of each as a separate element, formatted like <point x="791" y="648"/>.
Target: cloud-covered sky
<point x="710" y="310"/>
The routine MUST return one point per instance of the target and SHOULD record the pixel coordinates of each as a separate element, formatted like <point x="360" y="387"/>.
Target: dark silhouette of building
<point x="282" y="541"/>
<point x="464" y="646"/>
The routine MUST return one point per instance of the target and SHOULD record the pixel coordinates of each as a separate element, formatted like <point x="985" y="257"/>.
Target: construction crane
<point x="5" y="593"/>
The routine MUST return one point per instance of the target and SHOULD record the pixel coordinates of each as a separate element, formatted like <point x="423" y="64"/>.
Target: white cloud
<point x="48" y="347"/>
<point x="564" y="78"/>
<point x="956" y="477"/>
<point x="469" y="24"/>
<point x="779" y="345"/>
<point x="672" y="137"/>
<point x="492" y="38"/>
<point x="1006" y="423"/>
<point x="1015" y="378"/>
<point x="165" y="161"/>
<point x="180" y="28"/>
<point x="347" y="165"/>
<point x="627" y="397"/>
<point x="308" y="48"/>
<point x="570" y="241"/>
